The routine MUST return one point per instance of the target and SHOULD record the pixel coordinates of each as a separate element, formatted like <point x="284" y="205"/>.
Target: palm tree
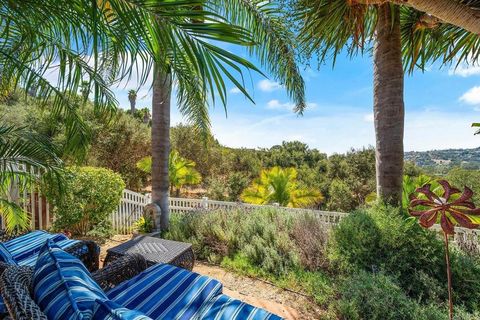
<point x="280" y="186"/>
<point x="181" y="171"/>
<point x="26" y="158"/>
<point x="402" y="37"/>
<point x="198" y="68"/>
<point x="132" y="97"/>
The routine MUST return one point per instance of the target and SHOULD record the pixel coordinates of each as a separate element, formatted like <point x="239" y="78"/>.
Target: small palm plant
<point x="451" y="208"/>
<point x="181" y="171"/>
<point x="278" y="185"/>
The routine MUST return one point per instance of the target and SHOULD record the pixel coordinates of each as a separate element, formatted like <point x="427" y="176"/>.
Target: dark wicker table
<point x="155" y="250"/>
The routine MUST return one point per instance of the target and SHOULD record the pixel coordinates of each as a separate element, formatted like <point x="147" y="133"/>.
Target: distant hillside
<point x="468" y="158"/>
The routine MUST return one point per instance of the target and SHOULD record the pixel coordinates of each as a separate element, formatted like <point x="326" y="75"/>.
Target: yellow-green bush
<point x="84" y="201"/>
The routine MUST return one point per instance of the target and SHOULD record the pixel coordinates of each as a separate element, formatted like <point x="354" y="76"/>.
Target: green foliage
<point x="280" y="186"/>
<point x="367" y="295"/>
<point x="375" y="297"/>
<point x="267" y="243"/>
<point x="260" y="237"/>
<point x="381" y="239"/>
<point x="90" y="196"/>
<point x="116" y="143"/>
<point x="462" y="177"/>
<point x="374" y="265"/>
<point x="35" y="153"/>
<point x="292" y="154"/>
<point x="465" y="280"/>
<point x="216" y="189"/>
<point x="181" y="171"/>
<point x="236" y="183"/>
<point x="144" y="224"/>
<point x="340" y="196"/>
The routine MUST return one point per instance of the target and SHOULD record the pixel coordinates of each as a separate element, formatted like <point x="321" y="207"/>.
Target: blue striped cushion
<point x="223" y="307"/>
<point x="62" y="286"/>
<point x="29" y="244"/>
<point x="63" y="244"/>
<point x="166" y="292"/>
<point x="109" y="310"/>
<point x="6" y="255"/>
<point x="24" y="249"/>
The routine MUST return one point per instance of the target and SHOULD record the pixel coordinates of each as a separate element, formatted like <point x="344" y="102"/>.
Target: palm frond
<point x="274" y="42"/>
<point x="26" y="158"/>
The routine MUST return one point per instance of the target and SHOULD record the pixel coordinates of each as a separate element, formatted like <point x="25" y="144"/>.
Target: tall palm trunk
<point x="453" y="12"/>
<point x="133" y="102"/>
<point x="388" y="105"/>
<point x="162" y="88"/>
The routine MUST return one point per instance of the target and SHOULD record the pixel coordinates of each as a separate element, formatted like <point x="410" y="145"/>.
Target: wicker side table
<point x="155" y="250"/>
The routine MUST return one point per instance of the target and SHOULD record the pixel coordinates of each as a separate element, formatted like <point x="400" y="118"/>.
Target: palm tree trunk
<point x="448" y="11"/>
<point x="451" y="12"/>
<point x="133" y="102"/>
<point x="162" y="88"/>
<point x="388" y="105"/>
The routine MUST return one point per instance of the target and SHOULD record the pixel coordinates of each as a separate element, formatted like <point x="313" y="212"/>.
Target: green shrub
<point x="465" y="280"/>
<point x="310" y="236"/>
<point x="261" y="236"/>
<point x="144" y="224"/>
<point x="373" y="296"/>
<point x="381" y="239"/>
<point x="89" y="195"/>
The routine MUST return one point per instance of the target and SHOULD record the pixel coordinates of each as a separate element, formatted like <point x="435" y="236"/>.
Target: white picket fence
<point x="132" y="204"/>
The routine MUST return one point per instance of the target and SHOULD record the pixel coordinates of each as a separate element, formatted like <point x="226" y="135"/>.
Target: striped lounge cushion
<point x="24" y="249"/>
<point x="166" y="292"/>
<point x="62" y="286"/>
<point x="6" y="255"/>
<point x="109" y="310"/>
<point x="27" y="245"/>
<point x="223" y="307"/>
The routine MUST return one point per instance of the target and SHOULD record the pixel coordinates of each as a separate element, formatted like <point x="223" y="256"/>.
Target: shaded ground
<point x="256" y="292"/>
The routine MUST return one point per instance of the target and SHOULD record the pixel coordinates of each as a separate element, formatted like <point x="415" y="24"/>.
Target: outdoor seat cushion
<point x="24" y="249"/>
<point x="222" y="307"/>
<point x="109" y="310"/>
<point x="166" y="292"/>
<point x="62" y="286"/>
<point x="6" y="255"/>
<point x="30" y="243"/>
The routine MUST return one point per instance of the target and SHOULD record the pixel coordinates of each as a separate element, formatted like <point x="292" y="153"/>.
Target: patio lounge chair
<point x="22" y="250"/>
<point x="125" y="289"/>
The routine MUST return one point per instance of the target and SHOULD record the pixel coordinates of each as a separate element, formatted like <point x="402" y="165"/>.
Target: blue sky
<point x="440" y="105"/>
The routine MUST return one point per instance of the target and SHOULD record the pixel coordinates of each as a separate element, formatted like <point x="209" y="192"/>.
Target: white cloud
<point x="268" y="85"/>
<point x="472" y="96"/>
<point x="465" y="70"/>
<point x="368" y="117"/>
<point x="277" y="105"/>
<point x="234" y="90"/>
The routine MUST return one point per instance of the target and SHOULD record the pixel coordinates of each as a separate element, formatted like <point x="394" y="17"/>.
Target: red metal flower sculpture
<point x="451" y="209"/>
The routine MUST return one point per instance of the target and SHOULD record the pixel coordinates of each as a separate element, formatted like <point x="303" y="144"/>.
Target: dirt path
<point x="286" y="304"/>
